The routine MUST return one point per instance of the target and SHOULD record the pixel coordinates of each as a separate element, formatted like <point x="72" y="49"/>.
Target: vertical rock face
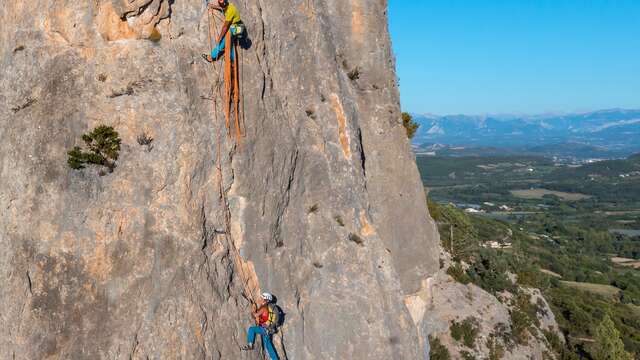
<point x="321" y="204"/>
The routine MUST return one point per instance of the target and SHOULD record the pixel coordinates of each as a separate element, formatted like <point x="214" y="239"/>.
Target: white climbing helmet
<point x="267" y="296"/>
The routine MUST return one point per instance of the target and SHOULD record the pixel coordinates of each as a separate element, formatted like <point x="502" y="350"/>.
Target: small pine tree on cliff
<point x="103" y="144"/>
<point x="410" y="125"/>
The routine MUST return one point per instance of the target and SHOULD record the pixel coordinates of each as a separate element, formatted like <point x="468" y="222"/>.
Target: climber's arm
<point x="215" y="7"/>
<point x="259" y="312"/>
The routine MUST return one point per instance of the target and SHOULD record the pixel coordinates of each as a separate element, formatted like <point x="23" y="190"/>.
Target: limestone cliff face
<point x="321" y="204"/>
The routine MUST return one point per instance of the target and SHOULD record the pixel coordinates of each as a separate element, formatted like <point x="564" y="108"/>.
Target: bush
<point x="520" y="323"/>
<point x="608" y="343"/>
<point x="145" y="139"/>
<point x="409" y="125"/>
<point x="530" y="275"/>
<point x="524" y="316"/>
<point x="554" y="341"/>
<point x="466" y="331"/>
<point x="489" y="272"/>
<point x="496" y="350"/>
<point x="103" y="144"/>
<point x="467" y="355"/>
<point x="458" y="274"/>
<point x="502" y="332"/>
<point x="437" y="351"/>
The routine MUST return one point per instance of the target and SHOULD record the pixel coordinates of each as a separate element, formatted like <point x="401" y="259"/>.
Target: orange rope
<point x="227" y="78"/>
<point x="231" y="85"/>
<point x="236" y="93"/>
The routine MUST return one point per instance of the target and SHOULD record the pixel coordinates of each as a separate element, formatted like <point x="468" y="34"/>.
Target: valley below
<point x="569" y="230"/>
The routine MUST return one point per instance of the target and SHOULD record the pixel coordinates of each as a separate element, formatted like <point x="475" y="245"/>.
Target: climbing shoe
<point x="207" y="58"/>
<point x="247" y="347"/>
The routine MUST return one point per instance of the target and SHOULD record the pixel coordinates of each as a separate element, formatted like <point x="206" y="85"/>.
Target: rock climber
<point x="232" y="24"/>
<point x="268" y="316"/>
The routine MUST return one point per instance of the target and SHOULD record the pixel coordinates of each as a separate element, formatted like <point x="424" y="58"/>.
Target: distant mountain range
<point x="605" y="133"/>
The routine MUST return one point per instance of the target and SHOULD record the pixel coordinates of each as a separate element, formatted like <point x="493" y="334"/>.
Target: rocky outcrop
<point x="320" y="204"/>
<point x="448" y="301"/>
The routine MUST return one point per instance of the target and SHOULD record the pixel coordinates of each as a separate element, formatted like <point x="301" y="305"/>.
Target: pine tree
<point x="104" y="146"/>
<point x="77" y="158"/>
<point x="609" y="345"/>
<point x="410" y="125"/>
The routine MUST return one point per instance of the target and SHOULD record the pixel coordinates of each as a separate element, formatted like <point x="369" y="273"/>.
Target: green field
<point x="541" y="193"/>
<point x="599" y="289"/>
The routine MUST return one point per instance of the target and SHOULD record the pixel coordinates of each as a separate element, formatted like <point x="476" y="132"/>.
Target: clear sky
<point x="516" y="56"/>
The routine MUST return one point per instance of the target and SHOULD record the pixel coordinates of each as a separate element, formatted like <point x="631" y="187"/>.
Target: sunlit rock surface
<point x="321" y="204"/>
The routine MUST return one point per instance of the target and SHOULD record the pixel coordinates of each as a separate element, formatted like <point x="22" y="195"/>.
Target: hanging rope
<point x="236" y="92"/>
<point x="248" y="291"/>
<point x="227" y="79"/>
<point x="232" y="83"/>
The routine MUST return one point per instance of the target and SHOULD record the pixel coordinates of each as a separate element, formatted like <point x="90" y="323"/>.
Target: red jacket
<point x="263" y="315"/>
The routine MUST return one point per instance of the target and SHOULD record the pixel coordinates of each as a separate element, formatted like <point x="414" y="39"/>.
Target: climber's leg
<point x="251" y="334"/>
<point x="266" y="340"/>
<point x="218" y="51"/>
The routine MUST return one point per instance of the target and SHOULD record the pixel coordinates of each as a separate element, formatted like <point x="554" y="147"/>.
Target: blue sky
<point x="516" y="56"/>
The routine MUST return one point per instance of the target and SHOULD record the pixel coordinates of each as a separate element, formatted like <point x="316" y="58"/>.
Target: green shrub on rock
<point x="524" y="317"/>
<point x="466" y="331"/>
<point x="458" y="274"/>
<point x="496" y="350"/>
<point x="467" y="355"/>
<point x="103" y="148"/>
<point x="437" y="351"/>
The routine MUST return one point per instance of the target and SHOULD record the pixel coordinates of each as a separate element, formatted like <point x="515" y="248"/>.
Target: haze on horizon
<point x="495" y="57"/>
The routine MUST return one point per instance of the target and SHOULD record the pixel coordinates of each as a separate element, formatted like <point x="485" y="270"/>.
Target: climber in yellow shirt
<point x="232" y="24"/>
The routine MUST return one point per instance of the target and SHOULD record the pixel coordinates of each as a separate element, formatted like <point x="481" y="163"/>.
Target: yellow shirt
<point x="231" y="14"/>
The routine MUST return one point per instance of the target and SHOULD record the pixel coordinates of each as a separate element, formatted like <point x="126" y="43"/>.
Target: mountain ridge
<point x="612" y="130"/>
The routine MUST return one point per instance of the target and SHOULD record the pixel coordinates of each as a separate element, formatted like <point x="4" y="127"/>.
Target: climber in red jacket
<point x="267" y="316"/>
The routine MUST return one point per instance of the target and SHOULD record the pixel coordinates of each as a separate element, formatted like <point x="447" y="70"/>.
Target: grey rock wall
<point x="321" y="203"/>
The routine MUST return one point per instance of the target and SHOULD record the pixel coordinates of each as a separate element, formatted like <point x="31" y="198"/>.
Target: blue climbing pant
<point x="218" y="51"/>
<point x="266" y="340"/>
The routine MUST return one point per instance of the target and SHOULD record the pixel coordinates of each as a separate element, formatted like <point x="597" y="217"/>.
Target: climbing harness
<point x="275" y="319"/>
<point x="239" y="31"/>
